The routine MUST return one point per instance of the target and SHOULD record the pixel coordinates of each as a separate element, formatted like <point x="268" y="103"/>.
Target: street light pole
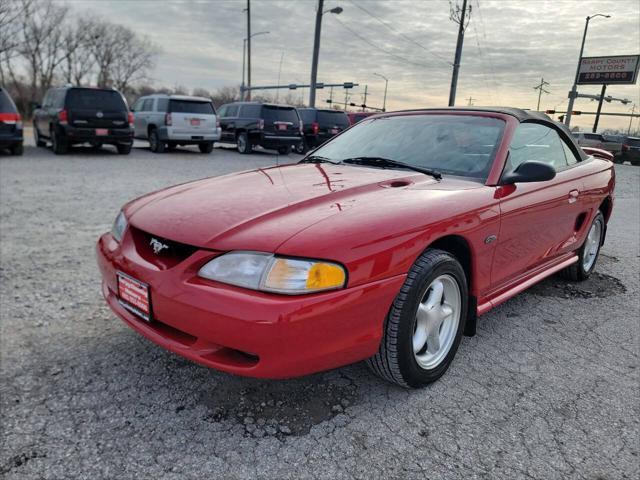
<point x="386" y="83"/>
<point x="248" y="96"/>
<point x="316" y="50"/>
<point x="244" y="50"/>
<point x="574" y="90"/>
<point x="245" y="91"/>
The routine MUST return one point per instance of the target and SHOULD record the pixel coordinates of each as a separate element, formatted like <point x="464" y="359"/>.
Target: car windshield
<point x="191" y="106"/>
<point x="463" y="145"/>
<point x="88" y="99"/>
<point x="307" y="115"/>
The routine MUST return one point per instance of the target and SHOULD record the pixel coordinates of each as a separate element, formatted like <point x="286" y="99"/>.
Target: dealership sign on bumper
<point x="619" y="69"/>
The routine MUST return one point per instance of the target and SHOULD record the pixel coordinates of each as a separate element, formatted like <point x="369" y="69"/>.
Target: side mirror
<point x="529" y="171"/>
<point x="35" y="105"/>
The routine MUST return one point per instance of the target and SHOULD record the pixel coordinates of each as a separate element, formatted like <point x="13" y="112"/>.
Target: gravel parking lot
<point x="549" y="388"/>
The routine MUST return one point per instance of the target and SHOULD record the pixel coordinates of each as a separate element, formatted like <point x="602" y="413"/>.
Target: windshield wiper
<point x="387" y="162"/>
<point x="317" y="159"/>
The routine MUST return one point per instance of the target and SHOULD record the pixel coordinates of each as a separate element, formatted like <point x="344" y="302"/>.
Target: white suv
<point x="171" y="120"/>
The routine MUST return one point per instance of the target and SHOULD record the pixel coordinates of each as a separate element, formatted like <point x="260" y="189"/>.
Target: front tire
<point x="155" y="144"/>
<point x="206" y="147"/>
<point x="588" y="252"/>
<point x="424" y="326"/>
<point x="243" y="143"/>
<point x="36" y="138"/>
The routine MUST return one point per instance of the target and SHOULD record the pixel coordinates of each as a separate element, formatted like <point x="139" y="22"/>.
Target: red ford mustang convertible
<point x="384" y="244"/>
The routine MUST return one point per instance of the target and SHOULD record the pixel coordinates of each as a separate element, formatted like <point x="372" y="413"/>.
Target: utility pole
<point x="244" y="51"/>
<point x="386" y="83"/>
<point x="279" y="71"/>
<point x="458" y="16"/>
<point x="470" y="99"/>
<point x="595" y="123"/>
<point x="365" y="96"/>
<point x="574" y="91"/>
<point x="316" y="50"/>
<point x="346" y="98"/>
<point x="540" y="88"/>
<point x="633" y="110"/>
<point x="248" y="49"/>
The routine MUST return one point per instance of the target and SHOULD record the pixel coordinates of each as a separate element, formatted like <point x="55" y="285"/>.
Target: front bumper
<point x="115" y="136"/>
<point x="246" y="332"/>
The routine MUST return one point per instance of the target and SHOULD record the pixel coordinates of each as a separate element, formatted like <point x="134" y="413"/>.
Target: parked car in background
<point x="75" y="115"/>
<point x="585" y="139"/>
<point x="167" y="121"/>
<point x="319" y="125"/>
<point x="630" y="151"/>
<point x="249" y="124"/>
<point x="10" y="125"/>
<point x="355" y="117"/>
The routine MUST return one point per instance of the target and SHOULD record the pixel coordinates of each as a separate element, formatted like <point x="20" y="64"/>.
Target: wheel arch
<point x="606" y="207"/>
<point x="151" y="126"/>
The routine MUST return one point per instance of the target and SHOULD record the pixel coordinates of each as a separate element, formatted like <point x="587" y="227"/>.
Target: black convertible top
<point x="521" y="115"/>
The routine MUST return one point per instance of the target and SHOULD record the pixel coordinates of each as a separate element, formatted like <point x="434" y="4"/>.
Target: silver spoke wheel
<point x="592" y="244"/>
<point x="437" y="322"/>
<point x="241" y="144"/>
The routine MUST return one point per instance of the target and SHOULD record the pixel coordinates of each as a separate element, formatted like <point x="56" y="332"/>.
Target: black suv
<point x="247" y="124"/>
<point x="74" y="115"/>
<point x="319" y="125"/>
<point x="10" y="124"/>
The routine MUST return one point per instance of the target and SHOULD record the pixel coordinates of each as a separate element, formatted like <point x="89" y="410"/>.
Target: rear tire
<point x="155" y="144"/>
<point x="124" y="149"/>
<point x="588" y="253"/>
<point x="58" y="145"/>
<point x="36" y="138"/>
<point x="243" y="143"/>
<point x="17" y="149"/>
<point x="425" y="323"/>
<point x="206" y="147"/>
<point x="302" y="147"/>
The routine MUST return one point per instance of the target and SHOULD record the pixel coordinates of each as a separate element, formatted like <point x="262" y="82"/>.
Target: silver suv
<point x="171" y="120"/>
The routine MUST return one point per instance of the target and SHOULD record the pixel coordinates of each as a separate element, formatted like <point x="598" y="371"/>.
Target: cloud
<point x="509" y="46"/>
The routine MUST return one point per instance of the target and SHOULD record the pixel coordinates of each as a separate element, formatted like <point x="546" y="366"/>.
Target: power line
<point x="484" y="74"/>
<point x="406" y="60"/>
<point x="406" y="37"/>
<point x="541" y="90"/>
<point x="484" y="36"/>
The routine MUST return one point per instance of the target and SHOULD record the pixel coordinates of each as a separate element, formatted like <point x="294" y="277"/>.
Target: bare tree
<point x="134" y="62"/>
<point x="79" y="59"/>
<point x="226" y="95"/>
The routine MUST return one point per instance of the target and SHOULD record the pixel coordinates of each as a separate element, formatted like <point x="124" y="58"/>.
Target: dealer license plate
<point x="102" y="132"/>
<point x="134" y="296"/>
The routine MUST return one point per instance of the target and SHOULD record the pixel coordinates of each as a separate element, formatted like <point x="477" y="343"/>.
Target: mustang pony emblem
<point x="157" y="245"/>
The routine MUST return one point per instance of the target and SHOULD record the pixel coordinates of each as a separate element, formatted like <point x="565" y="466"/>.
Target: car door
<point x="228" y="122"/>
<point x="539" y="220"/>
<point x="139" y="131"/>
<point x="39" y="115"/>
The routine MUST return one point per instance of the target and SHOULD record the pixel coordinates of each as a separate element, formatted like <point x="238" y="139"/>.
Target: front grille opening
<point x="166" y="254"/>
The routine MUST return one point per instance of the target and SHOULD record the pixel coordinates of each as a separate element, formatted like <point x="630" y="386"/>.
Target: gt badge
<point x="157" y="246"/>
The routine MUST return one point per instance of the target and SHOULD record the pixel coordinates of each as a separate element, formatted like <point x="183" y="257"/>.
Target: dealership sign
<point x="615" y="70"/>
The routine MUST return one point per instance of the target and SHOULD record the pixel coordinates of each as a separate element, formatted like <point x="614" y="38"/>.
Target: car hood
<point x="261" y="209"/>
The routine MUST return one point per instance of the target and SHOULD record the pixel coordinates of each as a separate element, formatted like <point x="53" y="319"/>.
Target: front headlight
<point x="119" y="226"/>
<point x="266" y="272"/>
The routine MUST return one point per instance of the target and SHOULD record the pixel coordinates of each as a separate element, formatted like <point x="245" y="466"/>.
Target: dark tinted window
<point x="330" y="118"/>
<point x="147" y="106"/>
<point x="456" y="144"/>
<point x="162" y="104"/>
<point x="308" y="115"/>
<point x="280" y="114"/>
<point x="232" y="111"/>
<point x="250" y="111"/>
<point x="6" y="104"/>
<point x="634" y="142"/>
<point x="533" y="141"/>
<point x="191" y="106"/>
<point x="87" y="99"/>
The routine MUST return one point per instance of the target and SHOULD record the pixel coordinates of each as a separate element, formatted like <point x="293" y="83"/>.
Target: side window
<point x="46" y="101"/>
<point x="162" y="105"/>
<point x="250" y="111"/>
<point x="533" y="141"/>
<point x="568" y="153"/>
<point x="147" y="106"/>
<point x="222" y="111"/>
<point x="232" y="111"/>
<point x="137" y="106"/>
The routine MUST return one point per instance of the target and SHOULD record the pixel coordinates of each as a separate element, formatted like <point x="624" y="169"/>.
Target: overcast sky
<point x="509" y="45"/>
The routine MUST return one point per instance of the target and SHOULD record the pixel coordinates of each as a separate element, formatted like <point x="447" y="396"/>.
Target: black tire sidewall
<point x="583" y="274"/>
<point x="413" y="374"/>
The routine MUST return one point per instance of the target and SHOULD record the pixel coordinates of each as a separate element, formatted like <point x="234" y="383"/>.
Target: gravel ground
<point x="548" y="389"/>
